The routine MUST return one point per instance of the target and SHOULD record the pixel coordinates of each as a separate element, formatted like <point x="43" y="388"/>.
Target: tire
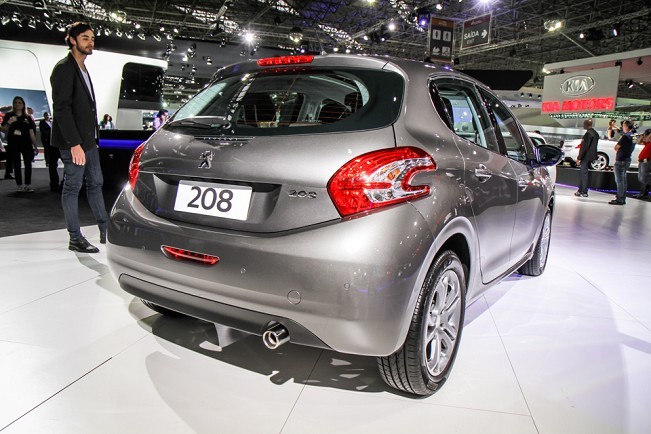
<point x="425" y="360"/>
<point x="536" y="265"/>
<point x="160" y="309"/>
<point x="601" y="163"/>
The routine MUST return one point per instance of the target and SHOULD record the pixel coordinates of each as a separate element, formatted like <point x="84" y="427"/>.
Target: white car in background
<point x="538" y="140"/>
<point x="605" y="153"/>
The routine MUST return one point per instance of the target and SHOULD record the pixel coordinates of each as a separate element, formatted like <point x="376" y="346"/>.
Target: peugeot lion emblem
<point x="206" y="160"/>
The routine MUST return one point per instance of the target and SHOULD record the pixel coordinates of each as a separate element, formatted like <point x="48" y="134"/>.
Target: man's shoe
<point x="8" y="176"/>
<point x="579" y="194"/>
<point x="82" y="245"/>
<point x="28" y="189"/>
<point x="102" y="237"/>
<point x="20" y="189"/>
<point x="616" y="202"/>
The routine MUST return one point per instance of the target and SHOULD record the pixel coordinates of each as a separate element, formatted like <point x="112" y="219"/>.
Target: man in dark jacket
<point x="624" y="148"/>
<point x="74" y="132"/>
<point x="51" y="154"/>
<point x="587" y="155"/>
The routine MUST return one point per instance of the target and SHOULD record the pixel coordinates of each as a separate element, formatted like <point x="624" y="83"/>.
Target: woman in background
<point x="107" y="123"/>
<point x="644" y="167"/>
<point x="20" y="130"/>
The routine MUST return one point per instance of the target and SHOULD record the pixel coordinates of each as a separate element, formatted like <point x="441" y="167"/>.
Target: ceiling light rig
<point x="553" y="25"/>
<point x="296" y="35"/>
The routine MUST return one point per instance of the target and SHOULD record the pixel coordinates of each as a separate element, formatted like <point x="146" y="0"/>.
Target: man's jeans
<point x="620" y="169"/>
<point x="584" y="176"/>
<point x="73" y="177"/>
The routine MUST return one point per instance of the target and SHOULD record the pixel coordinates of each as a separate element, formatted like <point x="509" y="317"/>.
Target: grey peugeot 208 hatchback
<point x="344" y="202"/>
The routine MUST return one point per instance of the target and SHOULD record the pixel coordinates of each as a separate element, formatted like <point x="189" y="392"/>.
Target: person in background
<point x="612" y="130"/>
<point x="75" y="132"/>
<point x="52" y="154"/>
<point x="107" y="123"/>
<point x="587" y="155"/>
<point x="624" y="149"/>
<point x="45" y="127"/>
<point x="20" y="129"/>
<point x="160" y="118"/>
<point x="4" y="156"/>
<point x="644" y="166"/>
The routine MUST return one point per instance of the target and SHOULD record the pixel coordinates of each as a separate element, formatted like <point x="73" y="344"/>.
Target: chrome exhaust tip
<point x="275" y="336"/>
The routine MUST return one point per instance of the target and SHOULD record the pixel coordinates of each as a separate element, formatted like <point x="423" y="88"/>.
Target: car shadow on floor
<point x="290" y="362"/>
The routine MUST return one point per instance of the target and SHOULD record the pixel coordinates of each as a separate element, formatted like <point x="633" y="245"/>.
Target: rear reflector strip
<point x="285" y="60"/>
<point x="181" y="254"/>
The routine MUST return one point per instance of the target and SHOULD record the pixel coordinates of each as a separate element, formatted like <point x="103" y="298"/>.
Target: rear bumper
<point x="349" y="285"/>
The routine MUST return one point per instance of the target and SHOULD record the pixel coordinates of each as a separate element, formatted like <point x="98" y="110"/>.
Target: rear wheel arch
<point x="459" y="245"/>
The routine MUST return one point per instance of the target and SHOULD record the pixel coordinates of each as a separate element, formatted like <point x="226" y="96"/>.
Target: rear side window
<point x="460" y="108"/>
<point x="507" y="128"/>
<point x="300" y="101"/>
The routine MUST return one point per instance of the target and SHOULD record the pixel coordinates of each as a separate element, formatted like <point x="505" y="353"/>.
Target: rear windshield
<point x="298" y="101"/>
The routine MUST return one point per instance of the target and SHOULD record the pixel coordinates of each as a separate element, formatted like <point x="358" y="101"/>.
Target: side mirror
<point x="547" y="155"/>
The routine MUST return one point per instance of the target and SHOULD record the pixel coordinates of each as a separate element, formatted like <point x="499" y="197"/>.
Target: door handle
<point x="482" y="173"/>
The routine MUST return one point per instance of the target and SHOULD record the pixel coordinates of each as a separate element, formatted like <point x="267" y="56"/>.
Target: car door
<point x="491" y="183"/>
<point x="530" y="181"/>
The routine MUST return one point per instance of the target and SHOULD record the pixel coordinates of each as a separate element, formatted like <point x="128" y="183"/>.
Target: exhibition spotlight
<point x="639" y="61"/>
<point x="582" y="35"/>
<point x="136" y="25"/>
<point x="629" y="83"/>
<point x="616" y="29"/>
<point x="392" y="26"/>
<point x="39" y="4"/>
<point x="48" y="24"/>
<point x="552" y="25"/>
<point x="118" y="16"/>
<point x="296" y="35"/>
<point x="141" y="36"/>
<point x="249" y="37"/>
<point x="5" y="20"/>
<point x="31" y="23"/>
<point x="439" y="6"/>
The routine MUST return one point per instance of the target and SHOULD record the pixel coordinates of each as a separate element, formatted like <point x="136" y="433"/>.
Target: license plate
<point x="217" y="200"/>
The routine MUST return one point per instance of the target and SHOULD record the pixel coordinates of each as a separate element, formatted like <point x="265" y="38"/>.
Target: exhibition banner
<point x="594" y="90"/>
<point x="441" y="39"/>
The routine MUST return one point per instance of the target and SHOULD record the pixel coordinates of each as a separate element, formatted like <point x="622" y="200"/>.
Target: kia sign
<point x="583" y="91"/>
<point x="476" y="32"/>
<point x="577" y="85"/>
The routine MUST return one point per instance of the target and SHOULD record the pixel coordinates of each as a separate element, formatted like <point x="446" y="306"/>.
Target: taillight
<point x="578" y="146"/>
<point x="285" y="60"/>
<point x="187" y="255"/>
<point x="134" y="166"/>
<point x="378" y="179"/>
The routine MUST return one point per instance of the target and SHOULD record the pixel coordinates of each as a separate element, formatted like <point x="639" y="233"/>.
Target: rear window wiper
<point x="206" y="122"/>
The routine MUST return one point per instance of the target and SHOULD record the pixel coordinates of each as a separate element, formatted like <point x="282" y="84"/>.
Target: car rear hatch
<point x="255" y="150"/>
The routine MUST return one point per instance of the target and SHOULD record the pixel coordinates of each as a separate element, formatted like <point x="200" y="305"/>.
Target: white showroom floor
<point x="567" y="352"/>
